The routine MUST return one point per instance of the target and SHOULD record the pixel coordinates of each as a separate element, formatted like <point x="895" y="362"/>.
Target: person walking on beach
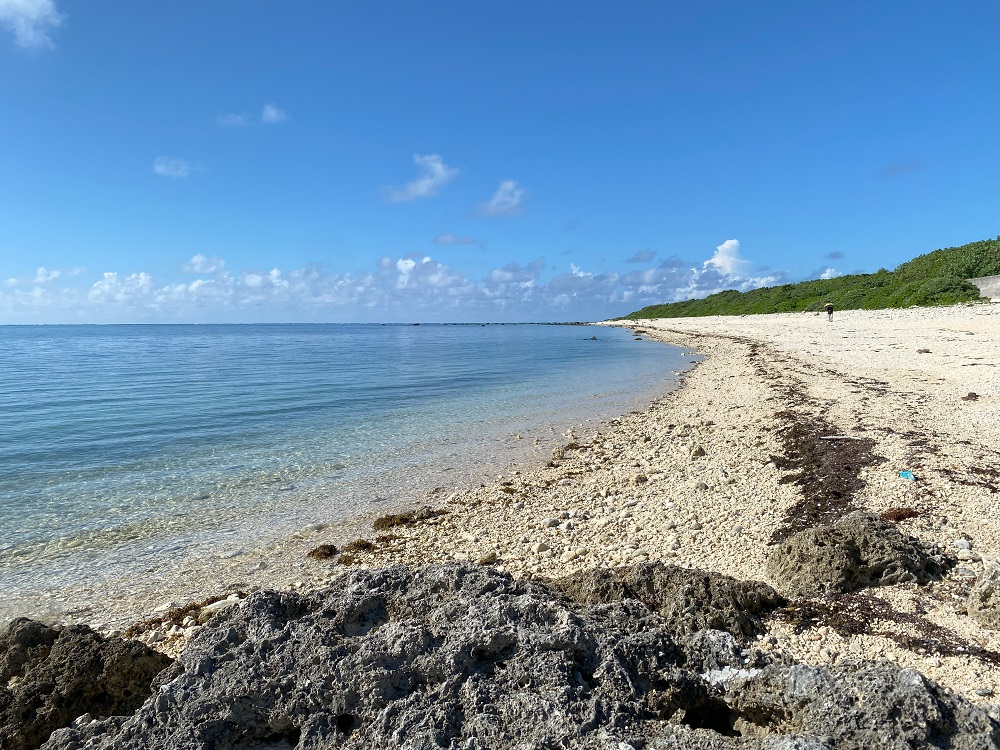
<point x="829" y="311"/>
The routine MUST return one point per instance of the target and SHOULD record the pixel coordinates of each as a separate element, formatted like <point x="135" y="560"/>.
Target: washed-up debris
<point x="323" y="552"/>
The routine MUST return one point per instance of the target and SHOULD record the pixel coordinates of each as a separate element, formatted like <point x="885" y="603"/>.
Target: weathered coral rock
<point x="50" y="676"/>
<point x="689" y="600"/>
<point x="856" y="551"/>
<point x="984" y="599"/>
<point x="462" y="656"/>
<point x="858" y="707"/>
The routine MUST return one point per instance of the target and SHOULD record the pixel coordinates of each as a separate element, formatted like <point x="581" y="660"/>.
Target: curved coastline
<point x="693" y="480"/>
<point x="712" y="479"/>
<point x="237" y="561"/>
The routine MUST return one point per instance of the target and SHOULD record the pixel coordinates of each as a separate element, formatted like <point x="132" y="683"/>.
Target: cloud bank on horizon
<point x="412" y="288"/>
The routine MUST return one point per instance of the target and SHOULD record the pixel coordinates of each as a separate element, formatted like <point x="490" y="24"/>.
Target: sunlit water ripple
<point x="128" y="443"/>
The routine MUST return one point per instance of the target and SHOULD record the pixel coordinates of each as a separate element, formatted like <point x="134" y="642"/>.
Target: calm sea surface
<point x="128" y="443"/>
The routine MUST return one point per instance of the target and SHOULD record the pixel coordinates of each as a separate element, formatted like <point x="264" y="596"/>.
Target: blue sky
<point x="389" y="161"/>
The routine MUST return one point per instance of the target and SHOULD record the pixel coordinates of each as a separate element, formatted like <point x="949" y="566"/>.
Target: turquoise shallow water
<point x="125" y="444"/>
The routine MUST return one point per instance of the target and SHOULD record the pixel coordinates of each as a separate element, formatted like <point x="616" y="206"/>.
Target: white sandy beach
<point x="691" y="480"/>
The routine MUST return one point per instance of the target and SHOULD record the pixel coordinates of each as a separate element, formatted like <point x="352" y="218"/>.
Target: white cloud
<point x="506" y="201"/>
<point x="110" y="288"/>
<point x="727" y="259"/>
<point x="409" y="288"/>
<point x="44" y="277"/>
<point x="271" y="114"/>
<point x="174" y="167"/>
<point x="31" y="21"/>
<point x="830" y="273"/>
<point x="233" y="120"/>
<point x="203" y="264"/>
<point x="435" y="174"/>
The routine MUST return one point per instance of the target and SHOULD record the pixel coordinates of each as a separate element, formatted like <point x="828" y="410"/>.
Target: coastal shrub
<point x="944" y="290"/>
<point x="936" y="278"/>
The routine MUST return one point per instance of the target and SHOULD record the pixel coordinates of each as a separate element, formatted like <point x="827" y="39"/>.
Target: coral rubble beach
<point x="851" y="467"/>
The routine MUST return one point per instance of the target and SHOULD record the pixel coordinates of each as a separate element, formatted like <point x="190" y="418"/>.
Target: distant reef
<point x="937" y="278"/>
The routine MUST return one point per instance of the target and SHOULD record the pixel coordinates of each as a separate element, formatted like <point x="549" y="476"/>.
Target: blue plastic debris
<point x="908" y="475"/>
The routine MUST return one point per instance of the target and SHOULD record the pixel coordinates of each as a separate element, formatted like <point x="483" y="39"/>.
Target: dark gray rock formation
<point x="984" y="599"/>
<point x="856" y="551"/>
<point x="859" y="707"/>
<point x="689" y="600"/>
<point x="49" y="677"/>
<point x="465" y="658"/>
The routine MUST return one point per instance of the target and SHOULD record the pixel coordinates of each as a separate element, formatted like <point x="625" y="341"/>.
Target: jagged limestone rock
<point x="857" y="551"/>
<point x="689" y="600"/>
<point x="984" y="599"/>
<point x="464" y="657"/>
<point x="859" y="707"/>
<point x="51" y="676"/>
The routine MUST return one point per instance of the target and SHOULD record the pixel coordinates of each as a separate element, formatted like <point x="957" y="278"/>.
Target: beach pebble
<point x="572" y="554"/>
<point x="697" y="452"/>
<point x="701" y="486"/>
<point x="540" y="547"/>
<point x="166" y="606"/>
<point x="962" y="543"/>
<point x="567" y="526"/>
<point x="550" y="523"/>
<point x="488" y="559"/>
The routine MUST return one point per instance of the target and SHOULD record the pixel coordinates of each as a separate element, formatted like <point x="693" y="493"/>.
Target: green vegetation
<point x="937" y="278"/>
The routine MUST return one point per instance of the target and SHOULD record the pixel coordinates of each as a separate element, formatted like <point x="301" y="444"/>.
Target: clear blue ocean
<point x="128" y="443"/>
